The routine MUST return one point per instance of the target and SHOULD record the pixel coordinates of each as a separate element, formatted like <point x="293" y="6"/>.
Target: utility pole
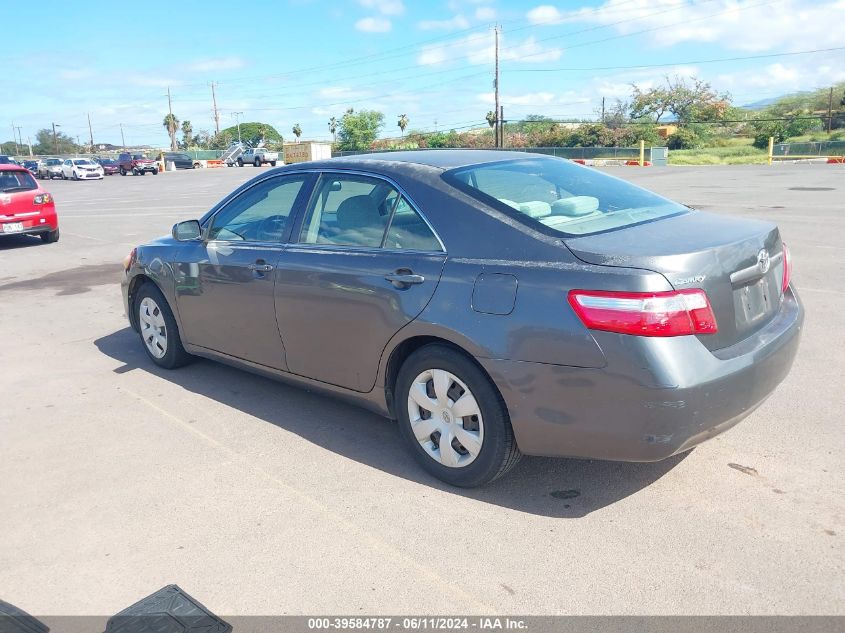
<point x="15" y="139"/>
<point x="122" y="138"/>
<point x="216" y="113"/>
<point x="829" y="109"/>
<point x="90" y="132"/>
<point x="602" y="109"/>
<point x="55" y="138"/>
<point x="501" y="117"/>
<point x="497" y="128"/>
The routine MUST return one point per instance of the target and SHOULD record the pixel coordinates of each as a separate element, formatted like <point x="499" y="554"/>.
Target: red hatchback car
<point x="25" y="208"/>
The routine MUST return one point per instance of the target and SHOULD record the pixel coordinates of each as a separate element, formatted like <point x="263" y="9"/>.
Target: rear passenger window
<point x="352" y="210"/>
<point x="409" y="231"/>
<point x="349" y="211"/>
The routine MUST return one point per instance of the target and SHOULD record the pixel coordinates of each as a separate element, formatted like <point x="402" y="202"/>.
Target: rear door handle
<point x="260" y="268"/>
<point x="403" y="279"/>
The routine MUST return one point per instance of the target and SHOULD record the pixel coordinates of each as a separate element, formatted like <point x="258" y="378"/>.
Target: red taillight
<point x="787" y="268"/>
<point x="42" y="198"/>
<point x="673" y="313"/>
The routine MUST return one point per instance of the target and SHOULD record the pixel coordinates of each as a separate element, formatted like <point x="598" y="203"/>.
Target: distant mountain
<point x="759" y="105"/>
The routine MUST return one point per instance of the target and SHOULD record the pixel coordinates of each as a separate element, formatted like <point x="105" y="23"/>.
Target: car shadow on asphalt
<point x="11" y="242"/>
<point x="562" y="488"/>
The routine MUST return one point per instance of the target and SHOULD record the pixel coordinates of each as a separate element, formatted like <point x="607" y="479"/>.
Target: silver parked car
<point x="494" y="303"/>
<point x="50" y="168"/>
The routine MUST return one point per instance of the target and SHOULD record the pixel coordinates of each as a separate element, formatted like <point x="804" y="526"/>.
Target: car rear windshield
<point x="138" y="156"/>
<point x="16" y="181"/>
<point x="559" y="197"/>
<point x="82" y="161"/>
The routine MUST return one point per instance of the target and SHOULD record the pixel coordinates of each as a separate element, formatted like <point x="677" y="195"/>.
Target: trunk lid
<point x="736" y="261"/>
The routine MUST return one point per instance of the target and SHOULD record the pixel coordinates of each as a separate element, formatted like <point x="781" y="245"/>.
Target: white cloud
<point x="735" y="24"/>
<point x="485" y="13"/>
<point x="544" y="14"/>
<point x="213" y="64"/>
<point x="456" y="22"/>
<point x="385" y="7"/>
<point x="373" y="25"/>
<point x="480" y="49"/>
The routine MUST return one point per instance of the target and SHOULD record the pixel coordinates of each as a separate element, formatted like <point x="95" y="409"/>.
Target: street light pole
<point x="237" y="116"/>
<point x="55" y="138"/>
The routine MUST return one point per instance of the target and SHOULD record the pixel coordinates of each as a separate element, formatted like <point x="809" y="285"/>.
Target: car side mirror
<point x="187" y="231"/>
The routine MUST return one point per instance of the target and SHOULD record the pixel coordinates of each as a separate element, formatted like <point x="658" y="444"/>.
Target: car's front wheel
<point x="158" y="329"/>
<point x="453" y="418"/>
<point x="240" y="162"/>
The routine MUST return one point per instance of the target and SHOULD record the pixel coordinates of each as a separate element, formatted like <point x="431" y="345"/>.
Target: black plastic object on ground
<point x="14" y="620"/>
<point x="168" y="610"/>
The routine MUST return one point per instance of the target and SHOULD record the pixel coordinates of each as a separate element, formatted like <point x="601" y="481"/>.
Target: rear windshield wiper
<point x="9" y="189"/>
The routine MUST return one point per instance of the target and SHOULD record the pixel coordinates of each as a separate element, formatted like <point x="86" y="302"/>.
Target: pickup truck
<point x="258" y="156"/>
<point x="136" y="164"/>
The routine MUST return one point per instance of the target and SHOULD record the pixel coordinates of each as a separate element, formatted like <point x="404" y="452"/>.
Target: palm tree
<point x="333" y="128"/>
<point x="402" y="123"/>
<point x="171" y="124"/>
<point x="491" y="118"/>
<point x="297" y="131"/>
<point x="187" y="131"/>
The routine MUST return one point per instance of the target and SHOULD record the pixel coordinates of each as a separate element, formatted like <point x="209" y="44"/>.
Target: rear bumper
<point x="655" y="398"/>
<point x="33" y="225"/>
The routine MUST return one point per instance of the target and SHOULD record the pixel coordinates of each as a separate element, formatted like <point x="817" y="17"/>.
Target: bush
<point x="684" y="138"/>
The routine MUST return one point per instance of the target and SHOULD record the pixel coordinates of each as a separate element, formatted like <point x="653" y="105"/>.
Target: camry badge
<point x="763" y="261"/>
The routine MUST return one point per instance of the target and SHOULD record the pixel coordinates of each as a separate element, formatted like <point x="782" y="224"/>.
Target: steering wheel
<point x="271" y="228"/>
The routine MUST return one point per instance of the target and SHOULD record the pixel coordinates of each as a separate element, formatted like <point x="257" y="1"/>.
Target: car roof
<point x="437" y="158"/>
<point x="10" y="167"/>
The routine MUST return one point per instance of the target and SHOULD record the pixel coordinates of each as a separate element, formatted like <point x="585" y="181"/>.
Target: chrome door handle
<point x="261" y="268"/>
<point x="403" y="279"/>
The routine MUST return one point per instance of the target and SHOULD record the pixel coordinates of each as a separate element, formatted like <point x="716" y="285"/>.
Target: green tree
<point x="685" y="101"/>
<point x="171" y="124"/>
<point x="8" y="147"/>
<point x="333" y="128"/>
<point x="251" y="133"/>
<point x="491" y="118"/>
<point x="187" y="132"/>
<point x="358" y="130"/>
<point x="403" y="123"/>
<point x="45" y="145"/>
<point x="297" y="131"/>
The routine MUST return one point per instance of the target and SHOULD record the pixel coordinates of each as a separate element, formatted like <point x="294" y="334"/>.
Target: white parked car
<point x="81" y="169"/>
<point x="258" y="156"/>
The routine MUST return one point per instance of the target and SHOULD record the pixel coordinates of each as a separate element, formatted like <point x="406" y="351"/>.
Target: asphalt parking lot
<point x="260" y="498"/>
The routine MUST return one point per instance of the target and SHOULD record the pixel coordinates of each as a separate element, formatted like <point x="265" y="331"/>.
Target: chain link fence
<point x="582" y="153"/>
<point x="821" y="149"/>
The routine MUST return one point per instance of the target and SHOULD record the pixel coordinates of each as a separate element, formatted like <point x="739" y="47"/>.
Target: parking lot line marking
<point x="380" y="545"/>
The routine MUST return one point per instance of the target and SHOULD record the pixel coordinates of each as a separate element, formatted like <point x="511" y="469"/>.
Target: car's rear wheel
<point x="122" y="171"/>
<point x="453" y="418"/>
<point x="272" y="163"/>
<point x="257" y="163"/>
<point x="240" y="162"/>
<point x="50" y="237"/>
<point x="158" y="330"/>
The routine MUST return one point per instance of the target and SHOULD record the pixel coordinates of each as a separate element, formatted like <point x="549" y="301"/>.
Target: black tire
<point x="175" y="354"/>
<point x="155" y="172"/>
<point x="122" y="171"/>
<point x="272" y="163"/>
<point x="50" y="237"/>
<point x="240" y="162"/>
<point x="256" y="163"/>
<point x="499" y="452"/>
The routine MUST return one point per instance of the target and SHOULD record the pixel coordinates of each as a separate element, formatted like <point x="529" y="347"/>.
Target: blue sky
<point x="303" y="61"/>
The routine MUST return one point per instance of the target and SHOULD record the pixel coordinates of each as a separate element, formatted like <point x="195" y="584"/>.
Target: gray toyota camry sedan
<point x="494" y="303"/>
